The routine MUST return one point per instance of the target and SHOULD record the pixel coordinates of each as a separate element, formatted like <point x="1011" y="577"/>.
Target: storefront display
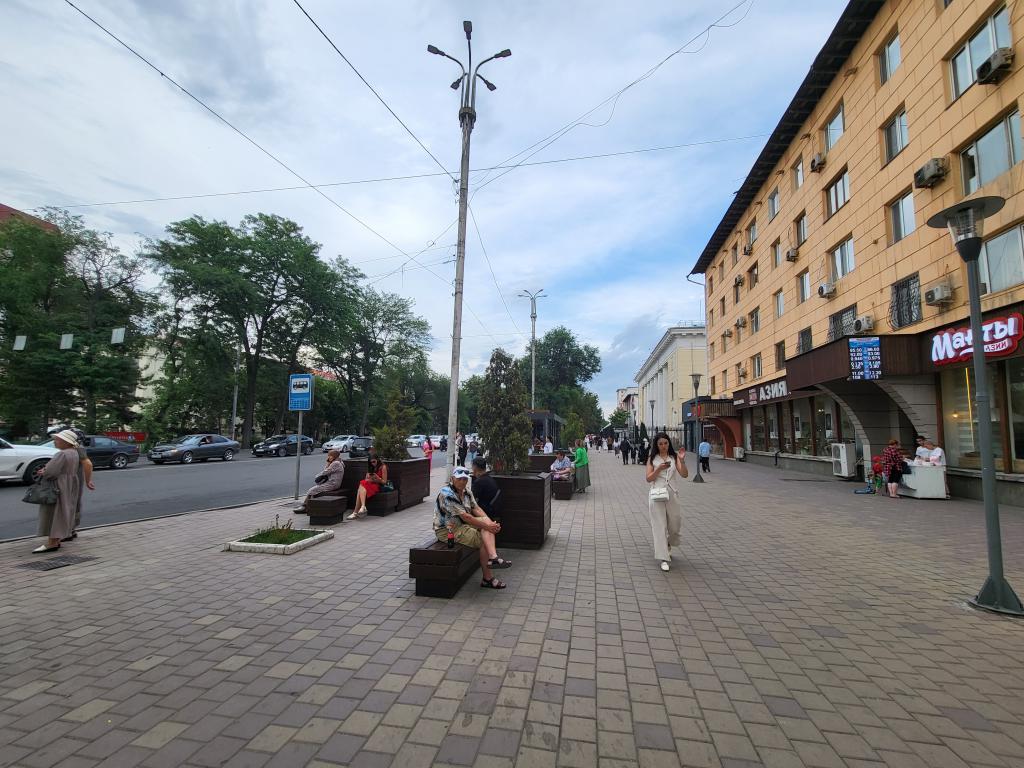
<point x="960" y="422"/>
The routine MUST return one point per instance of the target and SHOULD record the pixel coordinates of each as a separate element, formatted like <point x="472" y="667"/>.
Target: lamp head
<point x="468" y="27"/>
<point x="964" y="222"/>
<point x="435" y="50"/>
<point x="696" y="380"/>
<point x="457" y="83"/>
<point x="503" y="54"/>
<point x="490" y="86"/>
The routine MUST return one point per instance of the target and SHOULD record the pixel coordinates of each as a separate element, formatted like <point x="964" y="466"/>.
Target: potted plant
<point x="525" y="512"/>
<point x="410" y="477"/>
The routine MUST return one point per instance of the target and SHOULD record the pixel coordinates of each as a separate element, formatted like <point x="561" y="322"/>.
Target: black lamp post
<point x="699" y="438"/>
<point x="964" y="222"/>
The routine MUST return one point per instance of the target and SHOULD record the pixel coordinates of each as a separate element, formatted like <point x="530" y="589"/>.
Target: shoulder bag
<point x="42" y="491"/>
<point x="658" y="494"/>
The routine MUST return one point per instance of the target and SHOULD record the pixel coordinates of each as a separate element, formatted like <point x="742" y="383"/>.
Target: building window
<point x="735" y="255"/>
<point x="776" y="254"/>
<point x="961" y="437"/>
<point x="803" y="341"/>
<point x="803" y="287"/>
<point x="840" y="324"/>
<point x="834" y="128"/>
<point x="725" y="345"/>
<point x="721" y="307"/>
<point x="755" y="320"/>
<point x="711" y="284"/>
<point x="889" y="58"/>
<point x="837" y="193"/>
<point x="752" y="277"/>
<point x="741" y="373"/>
<point x="992" y="154"/>
<point x="905" y="303"/>
<point x="713" y="385"/>
<point x="739" y="333"/>
<point x="800" y="228"/>
<point x="901" y="217"/>
<point x="773" y="204"/>
<point x="725" y="380"/>
<point x="897" y="135"/>
<point x="721" y="271"/>
<point x="994" y="33"/>
<point x="798" y="174"/>
<point x="711" y="351"/>
<point x="755" y="366"/>
<point x="842" y="259"/>
<point x="752" y="232"/>
<point x="779" y="304"/>
<point x="780" y="356"/>
<point x="711" y="316"/>
<point x="1002" y="261"/>
<point x="736" y="293"/>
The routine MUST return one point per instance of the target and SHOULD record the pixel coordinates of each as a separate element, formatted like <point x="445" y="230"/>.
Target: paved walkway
<point x="800" y="626"/>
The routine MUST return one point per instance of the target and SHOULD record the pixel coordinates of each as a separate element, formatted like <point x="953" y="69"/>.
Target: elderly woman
<point x="561" y="467"/>
<point x="57" y="521"/>
<point x="334" y="470"/>
<point x="581" y="467"/>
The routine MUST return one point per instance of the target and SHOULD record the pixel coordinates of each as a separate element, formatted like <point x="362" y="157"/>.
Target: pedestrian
<point x="472" y="452"/>
<point x="581" y="465"/>
<point x="457" y="514"/>
<point x="57" y="519"/>
<point x="930" y="453"/>
<point x="892" y="467"/>
<point x="615" y="446"/>
<point x="663" y="499"/>
<point x="376" y="478"/>
<point x="704" y="453"/>
<point x="461" y="447"/>
<point x="327" y="481"/>
<point x="625" y="447"/>
<point x="549" y="446"/>
<point x="633" y="451"/>
<point x="428" y="448"/>
<point x="561" y="467"/>
<point x="485" y="487"/>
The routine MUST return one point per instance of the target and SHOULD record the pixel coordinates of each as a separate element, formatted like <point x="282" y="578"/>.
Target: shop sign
<point x="1001" y="335"/>
<point x="772" y="391"/>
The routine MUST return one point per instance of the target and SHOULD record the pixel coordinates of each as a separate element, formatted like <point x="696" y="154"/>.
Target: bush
<point x="389" y="439"/>
<point x="504" y="425"/>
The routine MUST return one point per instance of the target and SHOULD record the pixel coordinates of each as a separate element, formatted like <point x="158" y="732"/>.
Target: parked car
<point x="415" y="441"/>
<point x="198" y="447"/>
<point x="282" y="445"/>
<point x="359" y="447"/>
<point x="436" y="440"/>
<point x="338" y="443"/>
<point x="107" y="452"/>
<point x="21" y="462"/>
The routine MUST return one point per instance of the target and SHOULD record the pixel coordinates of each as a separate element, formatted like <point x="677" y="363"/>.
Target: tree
<point x="618" y="418"/>
<point x="470" y="391"/>
<point x="561" y="362"/>
<point x="573" y="429"/>
<point x="389" y="438"/>
<point x="504" y="425"/>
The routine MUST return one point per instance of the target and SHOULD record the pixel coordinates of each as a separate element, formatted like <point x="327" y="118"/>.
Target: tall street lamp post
<point x="651" y="402"/>
<point x="964" y="222"/>
<point x="533" y="342"/>
<point x="467" y="118"/>
<point x="699" y="437"/>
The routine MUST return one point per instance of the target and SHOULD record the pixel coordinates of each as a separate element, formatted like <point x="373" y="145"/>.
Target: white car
<point x="339" y="443"/>
<point x="20" y="462"/>
<point x="415" y="441"/>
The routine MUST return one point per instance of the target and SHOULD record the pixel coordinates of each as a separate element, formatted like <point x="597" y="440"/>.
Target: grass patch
<point x="279" y="534"/>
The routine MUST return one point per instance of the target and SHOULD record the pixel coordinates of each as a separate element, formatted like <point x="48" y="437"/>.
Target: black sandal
<point x="493" y="583"/>
<point x="499" y="563"/>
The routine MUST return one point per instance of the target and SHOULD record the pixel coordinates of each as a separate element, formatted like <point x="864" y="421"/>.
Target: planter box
<point x="561" y="489"/>
<point x="525" y="512"/>
<point x="355" y="470"/>
<point x="278" y="549"/>
<point x="383" y="503"/>
<point x="411" y="479"/>
<point x="540" y="462"/>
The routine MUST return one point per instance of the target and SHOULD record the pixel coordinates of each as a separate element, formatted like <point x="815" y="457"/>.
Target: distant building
<point x="6" y="212"/>
<point x="663" y="381"/>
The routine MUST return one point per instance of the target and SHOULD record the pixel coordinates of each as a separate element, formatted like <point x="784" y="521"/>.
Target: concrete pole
<point x="533" y="354"/>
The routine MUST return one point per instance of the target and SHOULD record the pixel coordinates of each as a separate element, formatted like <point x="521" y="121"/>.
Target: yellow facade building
<point x="664" y="383"/>
<point x="828" y="297"/>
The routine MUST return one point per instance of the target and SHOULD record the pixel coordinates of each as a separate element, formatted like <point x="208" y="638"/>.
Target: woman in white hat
<point x="57" y="521"/>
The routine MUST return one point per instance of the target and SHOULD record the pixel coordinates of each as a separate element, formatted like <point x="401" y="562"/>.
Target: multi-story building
<point x="823" y="259"/>
<point x="627" y="399"/>
<point x="664" y="382"/>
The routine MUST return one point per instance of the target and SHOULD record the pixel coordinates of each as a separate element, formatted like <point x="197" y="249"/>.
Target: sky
<point x="611" y="240"/>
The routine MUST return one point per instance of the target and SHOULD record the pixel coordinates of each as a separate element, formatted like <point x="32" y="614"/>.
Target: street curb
<point x="158" y="517"/>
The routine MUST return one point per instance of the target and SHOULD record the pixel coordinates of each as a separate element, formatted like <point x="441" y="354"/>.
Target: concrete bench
<point x="326" y="510"/>
<point x="439" y="571"/>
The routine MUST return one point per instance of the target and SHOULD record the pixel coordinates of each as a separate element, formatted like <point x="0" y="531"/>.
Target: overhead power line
<point x="494" y="277"/>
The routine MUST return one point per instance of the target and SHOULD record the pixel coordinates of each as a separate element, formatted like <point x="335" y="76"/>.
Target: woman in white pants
<point x="663" y="499"/>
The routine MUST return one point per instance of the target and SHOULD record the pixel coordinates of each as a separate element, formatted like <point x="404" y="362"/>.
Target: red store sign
<point x="127" y="437"/>
<point x="1001" y="335"/>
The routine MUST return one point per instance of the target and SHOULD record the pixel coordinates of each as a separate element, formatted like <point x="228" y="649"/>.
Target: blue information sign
<point x="865" y="358"/>
<point x="300" y="392"/>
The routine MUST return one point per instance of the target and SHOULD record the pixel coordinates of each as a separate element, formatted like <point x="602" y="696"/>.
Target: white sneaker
<point x="664" y="565"/>
<point x="353" y="516"/>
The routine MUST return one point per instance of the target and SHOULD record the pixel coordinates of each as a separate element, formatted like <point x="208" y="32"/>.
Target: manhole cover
<point x="55" y="562"/>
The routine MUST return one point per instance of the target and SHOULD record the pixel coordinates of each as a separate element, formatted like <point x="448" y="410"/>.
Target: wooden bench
<point x="382" y="503"/>
<point x="326" y="510"/>
<point x="439" y="571"/>
<point x="561" y="489"/>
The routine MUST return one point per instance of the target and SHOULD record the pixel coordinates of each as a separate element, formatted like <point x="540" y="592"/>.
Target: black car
<point x="282" y="445"/>
<point x="189" y="448"/>
<point x="360" y="447"/>
<point x="106" y="451"/>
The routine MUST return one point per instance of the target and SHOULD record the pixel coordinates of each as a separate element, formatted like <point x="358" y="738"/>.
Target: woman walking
<point x="329" y="479"/>
<point x="582" y="466"/>
<point x="57" y="520"/>
<point x="376" y="476"/>
<point x="892" y="467"/>
<point x="663" y="499"/>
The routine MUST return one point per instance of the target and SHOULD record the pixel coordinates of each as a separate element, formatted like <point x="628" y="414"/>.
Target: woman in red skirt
<point x="376" y="476"/>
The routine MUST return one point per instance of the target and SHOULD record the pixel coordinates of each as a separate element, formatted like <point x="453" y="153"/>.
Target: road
<point x="146" y="490"/>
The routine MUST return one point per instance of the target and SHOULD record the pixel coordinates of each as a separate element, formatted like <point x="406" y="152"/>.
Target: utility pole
<point x="234" y="394"/>
<point x="467" y="118"/>
<point x="533" y="342"/>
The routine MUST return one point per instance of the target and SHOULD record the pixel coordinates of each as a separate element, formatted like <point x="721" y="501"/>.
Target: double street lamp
<point x="964" y="222"/>
<point x="467" y="118"/>
<point x="699" y="433"/>
<point x="533" y="341"/>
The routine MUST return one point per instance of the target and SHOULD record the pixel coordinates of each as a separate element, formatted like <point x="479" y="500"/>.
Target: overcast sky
<point x="610" y="240"/>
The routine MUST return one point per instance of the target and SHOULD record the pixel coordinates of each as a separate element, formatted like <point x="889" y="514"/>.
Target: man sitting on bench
<point x="456" y="512"/>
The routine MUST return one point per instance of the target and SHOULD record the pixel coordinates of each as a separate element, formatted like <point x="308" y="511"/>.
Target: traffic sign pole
<point x="300" y="398"/>
<point x="298" y="456"/>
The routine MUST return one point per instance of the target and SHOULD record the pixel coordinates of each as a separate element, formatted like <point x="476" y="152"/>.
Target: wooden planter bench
<point x="561" y="489"/>
<point x="439" y="571"/>
<point x="383" y="503"/>
<point x="326" y="510"/>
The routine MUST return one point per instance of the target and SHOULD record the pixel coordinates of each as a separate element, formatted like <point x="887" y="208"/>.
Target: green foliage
<point x="389" y="438"/>
<point x="470" y="392"/>
<point x="572" y="430"/>
<point x="503" y="423"/>
<point x="563" y="367"/>
<point x="618" y="418"/>
<point x="279" y="534"/>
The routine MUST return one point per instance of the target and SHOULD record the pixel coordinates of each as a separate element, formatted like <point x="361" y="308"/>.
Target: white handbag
<point x="658" y="494"/>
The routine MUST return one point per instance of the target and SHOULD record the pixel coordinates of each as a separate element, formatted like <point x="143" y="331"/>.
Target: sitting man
<point x="485" y="488"/>
<point x="561" y="467"/>
<point x="456" y="512"/>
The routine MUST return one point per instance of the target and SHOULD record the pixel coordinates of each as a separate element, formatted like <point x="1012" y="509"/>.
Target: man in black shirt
<point x="484" y="487"/>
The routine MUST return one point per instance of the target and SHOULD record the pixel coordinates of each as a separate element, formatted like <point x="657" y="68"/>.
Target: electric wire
<point x="494" y="277"/>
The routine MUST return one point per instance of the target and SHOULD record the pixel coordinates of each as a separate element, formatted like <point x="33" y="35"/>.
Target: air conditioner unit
<point x="827" y="290"/>
<point x="742" y="373"/>
<point x="817" y="163"/>
<point x="995" y="67"/>
<point x="863" y="324"/>
<point x="931" y="173"/>
<point x="747" y="250"/>
<point x="739" y="453"/>
<point x="792" y="254"/>
<point x="738" y="280"/>
<point x="741" y="322"/>
<point x="844" y="459"/>
<point x="938" y="294"/>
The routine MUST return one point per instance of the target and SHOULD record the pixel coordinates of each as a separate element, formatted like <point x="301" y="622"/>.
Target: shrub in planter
<point x="410" y="477"/>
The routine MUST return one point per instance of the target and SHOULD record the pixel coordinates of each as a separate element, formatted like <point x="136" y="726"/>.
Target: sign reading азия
<point x="1001" y="336"/>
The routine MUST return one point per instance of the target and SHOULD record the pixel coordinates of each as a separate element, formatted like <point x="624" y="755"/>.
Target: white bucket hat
<point x="68" y="436"/>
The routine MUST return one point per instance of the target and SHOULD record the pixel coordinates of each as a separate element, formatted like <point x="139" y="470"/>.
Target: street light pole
<point x="533" y="342"/>
<point x="652" y="415"/>
<point x="467" y="119"/>
<point x="699" y="438"/>
<point x="964" y="222"/>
